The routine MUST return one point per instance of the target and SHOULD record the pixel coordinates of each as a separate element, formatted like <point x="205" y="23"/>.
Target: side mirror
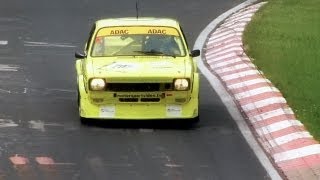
<point x="195" y="53"/>
<point x="79" y="55"/>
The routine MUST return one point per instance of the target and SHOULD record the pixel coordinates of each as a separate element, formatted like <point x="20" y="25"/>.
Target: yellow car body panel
<point x="135" y="83"/>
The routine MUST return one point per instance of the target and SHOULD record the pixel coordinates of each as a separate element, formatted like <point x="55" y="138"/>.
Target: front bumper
<point x="139" y="111"/>
<point x="167" y="108"/>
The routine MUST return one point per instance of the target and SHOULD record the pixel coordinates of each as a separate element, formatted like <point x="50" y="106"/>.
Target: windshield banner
<point x="111" y="31"/>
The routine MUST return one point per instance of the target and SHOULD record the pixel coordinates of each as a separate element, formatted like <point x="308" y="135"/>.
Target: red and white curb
<point x="290" y="147"/>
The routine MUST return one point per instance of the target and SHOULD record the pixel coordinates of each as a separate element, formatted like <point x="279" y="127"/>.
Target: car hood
<point x="159" y="69"/>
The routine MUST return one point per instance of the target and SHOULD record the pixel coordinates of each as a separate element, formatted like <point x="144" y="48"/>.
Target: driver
<point x="162" y="43"/>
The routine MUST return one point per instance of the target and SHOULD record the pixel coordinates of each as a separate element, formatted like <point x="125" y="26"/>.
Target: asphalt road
<point x="38" y="108"/>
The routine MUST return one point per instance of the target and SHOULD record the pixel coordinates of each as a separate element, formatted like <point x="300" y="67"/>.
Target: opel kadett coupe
<point x="137" y="68"/>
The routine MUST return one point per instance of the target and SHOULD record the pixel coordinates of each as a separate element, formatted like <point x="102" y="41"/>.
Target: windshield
<point x="138" y="41"/>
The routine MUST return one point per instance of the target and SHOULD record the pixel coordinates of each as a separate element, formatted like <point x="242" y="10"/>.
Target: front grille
<point x="138" y="87"/>
<point x="128" y="99"/>
<point x="150" y="99"/>
<point x="131" y="100"/>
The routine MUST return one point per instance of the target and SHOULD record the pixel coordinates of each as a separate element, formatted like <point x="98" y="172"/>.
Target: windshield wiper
<point x="154" y="52"/>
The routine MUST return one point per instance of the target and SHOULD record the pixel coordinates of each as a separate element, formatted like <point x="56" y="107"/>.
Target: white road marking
<point x="46" y="44"/>
<point x="288" y="138"/>
<point x="257" y="91"/>
<point x="173" y="165"/>
<point x="146" y="130"/>
<point x="3" y="43"/>
<point x="61" y="90"/>
<point x="297" y="153"/>
<point x="278" y="126"/>
<point x="50" y="161"/>
<point x="6" y="67"/>
<point x="263" y="103"/>
<point x="119" y="165"/>
<point x="65" y="164"/>
<point x="5" y="91"/>
<point x="7" y="123"/>
<point x="27" y="80"/>
<point x="40" y="125"/>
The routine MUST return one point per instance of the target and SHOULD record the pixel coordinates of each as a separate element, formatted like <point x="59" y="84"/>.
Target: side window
<point x="90" y="37"/>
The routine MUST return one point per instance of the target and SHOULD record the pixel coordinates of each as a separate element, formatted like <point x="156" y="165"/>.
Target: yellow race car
<point x="137" y="68"/>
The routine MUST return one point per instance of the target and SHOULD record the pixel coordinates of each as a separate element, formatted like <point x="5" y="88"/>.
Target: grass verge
<point x="283" y="38"/>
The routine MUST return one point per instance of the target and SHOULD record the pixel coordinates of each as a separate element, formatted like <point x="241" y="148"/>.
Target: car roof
<point x="133" y="21"/>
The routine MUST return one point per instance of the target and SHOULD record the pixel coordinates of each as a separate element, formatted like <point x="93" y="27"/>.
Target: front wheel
<point x="82" y="119"/>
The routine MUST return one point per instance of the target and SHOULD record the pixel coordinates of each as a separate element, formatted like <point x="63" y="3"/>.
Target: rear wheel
<point x="194" y="120"/>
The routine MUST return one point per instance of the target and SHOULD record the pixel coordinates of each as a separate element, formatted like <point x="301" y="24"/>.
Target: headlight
<point x="181" y="84"/>
<point x="97" y="84"/>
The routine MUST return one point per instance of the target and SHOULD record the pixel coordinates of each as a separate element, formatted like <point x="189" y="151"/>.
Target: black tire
<point x="82" y="119"/>
<point x="78" y="97"/>
<point x="194" y="121"/>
